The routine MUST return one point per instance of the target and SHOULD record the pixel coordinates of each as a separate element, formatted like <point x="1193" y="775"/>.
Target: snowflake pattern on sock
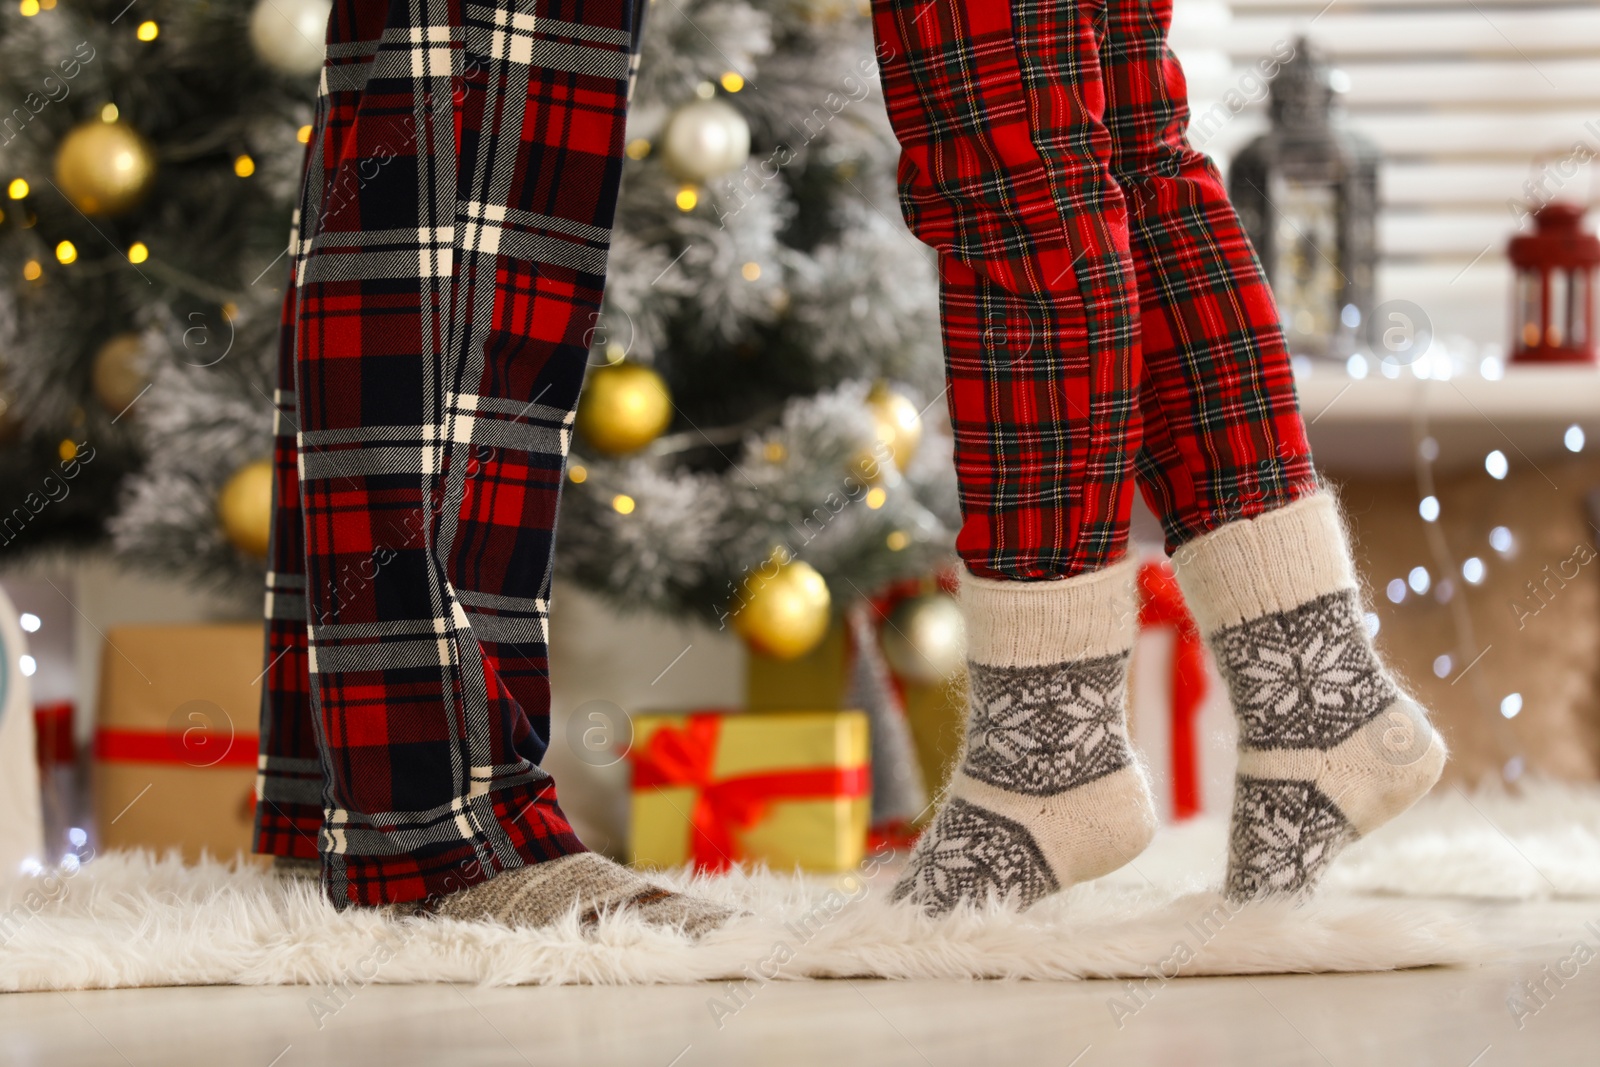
<point x="1284" y="835"/>
<point x="969" y="853"/>
<point x="1305" y="678"/>
<point x="1044" y="730"/>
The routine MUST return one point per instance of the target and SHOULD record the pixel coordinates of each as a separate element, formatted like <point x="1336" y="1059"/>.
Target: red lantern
<point x="1552" y="313"/>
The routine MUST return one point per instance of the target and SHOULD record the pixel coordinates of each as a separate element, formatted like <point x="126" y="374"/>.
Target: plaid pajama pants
<point x="448" y="260"/>
<point x="1103" y="313"/>
<point x="1101" y="308"/>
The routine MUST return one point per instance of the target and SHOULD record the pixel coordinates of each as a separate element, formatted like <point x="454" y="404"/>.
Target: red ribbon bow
<point x="684" y="757"/>
<point x="1161" y="604"/>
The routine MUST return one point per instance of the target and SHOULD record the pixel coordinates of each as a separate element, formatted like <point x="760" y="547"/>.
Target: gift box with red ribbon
<point x="718" y="788"/>
<point x="175" y="738"/>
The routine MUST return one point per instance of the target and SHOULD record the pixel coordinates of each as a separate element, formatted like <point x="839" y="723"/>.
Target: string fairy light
<point x="1473" y="569"/>
<point x="1436" y="574"/>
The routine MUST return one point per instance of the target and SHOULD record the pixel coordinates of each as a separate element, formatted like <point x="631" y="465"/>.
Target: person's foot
<point x="1330" y="748"/>
<point x="543" y="893"/>
<point x="1048" y="792"/>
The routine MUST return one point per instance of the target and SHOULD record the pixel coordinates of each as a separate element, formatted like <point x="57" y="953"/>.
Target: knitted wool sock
<point x="1329" y="746"/>
<point x="1048" y="792"/>
<point x="542" y="893"/>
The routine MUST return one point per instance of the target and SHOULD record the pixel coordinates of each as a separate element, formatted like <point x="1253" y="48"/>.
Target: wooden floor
<point x="1456" y="1017"/>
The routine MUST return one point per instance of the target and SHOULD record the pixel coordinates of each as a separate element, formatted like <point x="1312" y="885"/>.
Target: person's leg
<point x="453" y="235"/>
<point x="1005" y="177"/>
<point x="289" y="769"/>
<point x="1330" y="747"/>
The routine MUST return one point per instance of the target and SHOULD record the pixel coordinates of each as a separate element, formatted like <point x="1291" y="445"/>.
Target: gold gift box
<point x="815" y="833"/>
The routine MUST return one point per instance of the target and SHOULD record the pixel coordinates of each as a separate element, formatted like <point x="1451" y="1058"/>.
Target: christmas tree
<point x="150" y="157"/>
<point x="760" y="442"/>
<point x="761" y="375"/>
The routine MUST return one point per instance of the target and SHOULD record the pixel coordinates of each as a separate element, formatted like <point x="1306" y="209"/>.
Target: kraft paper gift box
<point x="175" y="738"/>
<point x="784" y="788"/>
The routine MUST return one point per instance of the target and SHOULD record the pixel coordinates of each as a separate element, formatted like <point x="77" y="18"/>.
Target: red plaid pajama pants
<point x="1103" y="313"/>
<point x="448" y="260"/>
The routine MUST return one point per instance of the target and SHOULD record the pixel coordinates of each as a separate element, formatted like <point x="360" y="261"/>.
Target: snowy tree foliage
<point x="195" y="91"/>
<point x="769" y="374"/>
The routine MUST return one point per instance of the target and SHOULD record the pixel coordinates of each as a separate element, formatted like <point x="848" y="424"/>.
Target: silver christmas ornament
<point x="288" y="35"/>
<point x="925" y="640"/>
<point x="705" y="139"/>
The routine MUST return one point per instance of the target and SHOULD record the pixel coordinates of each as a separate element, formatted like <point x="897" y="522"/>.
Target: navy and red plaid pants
<point x="448" y="260"/>
<point x="1105" y="321"/>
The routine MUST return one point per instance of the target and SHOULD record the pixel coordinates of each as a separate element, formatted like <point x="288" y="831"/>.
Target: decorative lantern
<point x="1307" y="193"/>
<point x="1552" y="294"/>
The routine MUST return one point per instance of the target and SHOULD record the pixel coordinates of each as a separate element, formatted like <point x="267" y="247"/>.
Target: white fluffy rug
<point x="127" y="919"/>
<point x="1541" y="843"/>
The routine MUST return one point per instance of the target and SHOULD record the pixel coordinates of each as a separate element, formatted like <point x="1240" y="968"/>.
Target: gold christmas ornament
<point x="624" y="407"/>
<point x="925" y="639"/>
<point x="895" y="422"/>
<point x="104" y="168"/>
<point x="705" y="139"/>
<point x="288" y="34"/>
<point x="121" y="372"/>
<point x="244" y="508"/>
<point x="785" y="615"/>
